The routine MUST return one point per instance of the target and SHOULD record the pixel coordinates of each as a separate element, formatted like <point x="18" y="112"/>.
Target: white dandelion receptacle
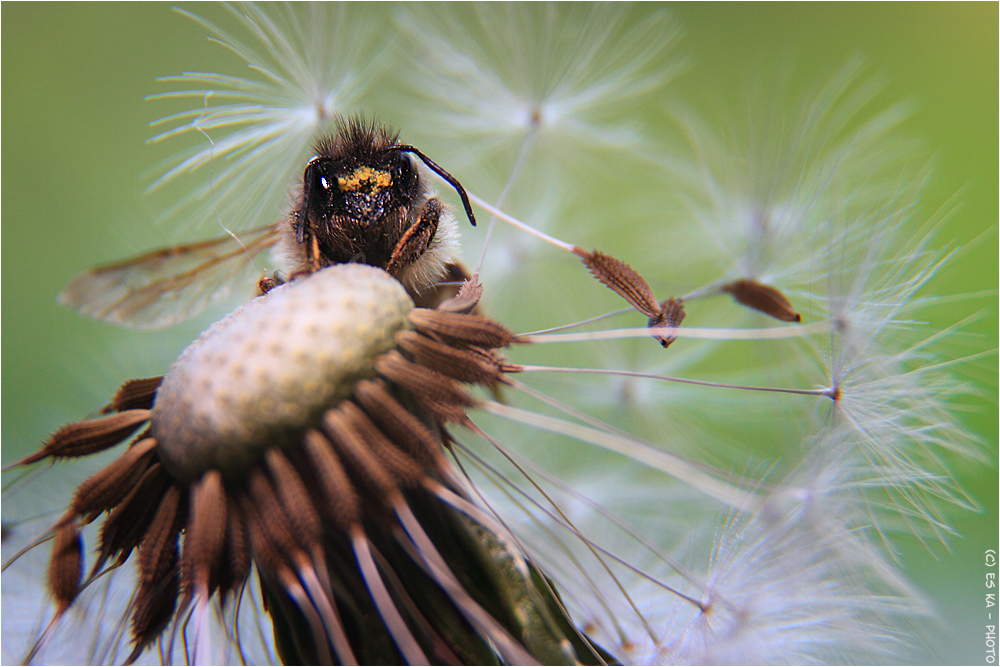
<point x="268" y="371"/>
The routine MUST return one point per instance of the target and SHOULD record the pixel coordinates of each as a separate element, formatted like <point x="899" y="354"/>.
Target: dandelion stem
<point x="522" y="156"/>
<point x="774" y="333"/>
<point x="565" y="520"/>
<point x="525" y="466"/>
<point x="666" y="378"/>
<point x="492" y="210"/>
<point x="560" y="517"/>
<point x="508" y="647"/>
<point x="565" y="556"/>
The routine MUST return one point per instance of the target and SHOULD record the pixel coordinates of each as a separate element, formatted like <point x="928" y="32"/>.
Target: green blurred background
<point x="76" y="166"/>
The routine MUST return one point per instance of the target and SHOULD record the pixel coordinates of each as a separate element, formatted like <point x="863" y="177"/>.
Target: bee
<point x="364" y="198"/>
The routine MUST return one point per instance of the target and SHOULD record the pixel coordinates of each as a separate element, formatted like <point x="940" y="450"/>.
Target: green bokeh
<point x="74" y="156"/>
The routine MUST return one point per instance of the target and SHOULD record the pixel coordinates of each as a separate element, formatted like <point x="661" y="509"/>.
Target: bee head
<point x="362" y="188"/>
<point x="361" y="174"/>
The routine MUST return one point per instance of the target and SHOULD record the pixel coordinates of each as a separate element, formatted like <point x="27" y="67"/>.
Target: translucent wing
<point x="167" y="286"/>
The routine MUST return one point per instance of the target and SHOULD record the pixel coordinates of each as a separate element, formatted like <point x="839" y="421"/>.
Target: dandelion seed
<point x="495" y="74"/>
<point x="513" y="86"/>
<point x="836" y="177"/>
<point x="892" y="384"/>
<point x="306" y="67"/>
<point x="834" y="241"/>
<point x="763" y="191"/>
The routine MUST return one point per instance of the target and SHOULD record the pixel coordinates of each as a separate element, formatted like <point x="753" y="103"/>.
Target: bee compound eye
<point x="405" y="171"/>
<point x="263" y="375"/>
<point x="317" y="176"/>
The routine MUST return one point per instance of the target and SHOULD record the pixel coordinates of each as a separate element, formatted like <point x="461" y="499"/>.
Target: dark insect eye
<point x="311" y="179"/>
<point x="320" y="192"/>
<point x="316" y="177"/>
<point x="405" y="175"/>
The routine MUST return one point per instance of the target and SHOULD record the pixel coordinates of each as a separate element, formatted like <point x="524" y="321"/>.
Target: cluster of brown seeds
<point x="356" y="528"/>
<point x="632" y="287"/>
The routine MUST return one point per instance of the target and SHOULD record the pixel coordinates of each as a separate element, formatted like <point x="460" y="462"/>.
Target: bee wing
<point x="167" y="286"/>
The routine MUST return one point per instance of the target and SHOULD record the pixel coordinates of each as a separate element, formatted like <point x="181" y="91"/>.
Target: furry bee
<point x="364" y="198"/>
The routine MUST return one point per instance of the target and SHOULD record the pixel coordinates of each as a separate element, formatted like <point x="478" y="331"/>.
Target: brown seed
<point x="90" y="436"/>
<point x="762" y="298"/>
<point x="158" y="548"/>
<point x="129" y="521"/>
<point x="672" y="316"/>
<point x="405" y="469"/>
<point x="366" y="467"/>
<point x="205" y="537"/>
<point x="66" y="564"/>
<point x="236" y="563"/>
<point x="134" y="394"/>
<point x="462" y="365"/>
<point x="440" y="394"/>
<point x="399" y="424"/>
<point x="270" y="540"/>
<point x="341" y="499"/>
<point x="467" y="298"/>
<point x="462" y="329"/>
<point x="154" y="607"/>
<point x="295" y="498"/>
<point x="106" y="488"/>
<point x="623" y="279"/>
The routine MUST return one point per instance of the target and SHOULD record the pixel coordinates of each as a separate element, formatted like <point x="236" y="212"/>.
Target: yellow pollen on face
<point x="365" y="177"/>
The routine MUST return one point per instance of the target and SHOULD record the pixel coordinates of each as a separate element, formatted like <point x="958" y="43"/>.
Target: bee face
<point x="361" y="190"/>
<point x="357" y="197"/>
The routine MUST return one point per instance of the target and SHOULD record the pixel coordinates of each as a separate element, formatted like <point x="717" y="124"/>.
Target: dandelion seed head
<point x="780" y="592"/>
<point x="815" y="201"/>
<point x="762" y="189"/>
<point x="891" y="376"/>
<point x="495" y="75"/>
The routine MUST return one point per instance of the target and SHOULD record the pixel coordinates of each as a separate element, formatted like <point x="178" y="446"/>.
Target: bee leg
<point x="313" y="254"/>
<point x="267" y="283"/>
<point x="416" y="239"/>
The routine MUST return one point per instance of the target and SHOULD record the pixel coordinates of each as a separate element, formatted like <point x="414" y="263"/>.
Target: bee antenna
<point x="452" y="181"/>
